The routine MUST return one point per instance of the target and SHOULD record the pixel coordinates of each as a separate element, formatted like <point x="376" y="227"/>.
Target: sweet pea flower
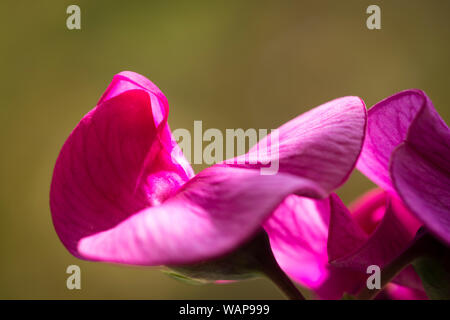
<point x="298" y="233"/>
<point x="122" y="191"/>
<point x="326" y="247"/>
<point x="373" y="231"/>
<point x="407" y="154"/>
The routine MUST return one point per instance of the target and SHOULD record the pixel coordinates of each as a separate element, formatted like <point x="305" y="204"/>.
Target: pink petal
<point x="116" y="162"/>
<point x="212" y="214"/>
<point x="128" y="80"/>
<point x="398" y="292"/>
<point x="368" y="210"/>
<point x="349" y="246"/>
<point x="406" y="131"/>
<point x="387" y="126"/>
<point x="420" y="169"/>
<point x="429" y="135"/>
<point x="424" y="188"/>
<point x="394" y="233"/>
<point x="298" y="232"/>
<point x="322" y="144"/>
<point x="345" y="235"/>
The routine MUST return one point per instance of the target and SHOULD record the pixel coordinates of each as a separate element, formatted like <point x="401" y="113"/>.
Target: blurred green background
<point x="231" y="64"/>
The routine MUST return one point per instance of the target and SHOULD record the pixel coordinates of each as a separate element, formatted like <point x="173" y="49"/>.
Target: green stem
<point x="270" y="268"/>
<point x="419" y="247"/>
<point x="283" y="282"/>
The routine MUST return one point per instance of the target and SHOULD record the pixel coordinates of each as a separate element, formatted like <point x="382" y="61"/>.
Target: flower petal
<point x="398" y="292"/>
<point x="116" y="162"/>
<point x="212" y="214"/>
<point x="424" y="187"/>
<point x="322" y="144"/>
<point x="368" y="210"/>
<point x="429" y="135"/>
<point x="128" y="80"/>
<point x="387" y="126"/>
<point x="349" y="246"/>
<point x="344" y="235"/>
<point x="394" y="233"/>
<point x="298" y="232"/>
<point x="420" y="170"/>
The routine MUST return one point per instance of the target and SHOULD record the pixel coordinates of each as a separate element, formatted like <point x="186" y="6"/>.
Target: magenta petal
<point x="430" y="136"/>
<point x="345" y="235"/>
<point x="349" y="246"/>
<point x="398" y="292"/>
<point x="298" y="232"/>
<point x="322" y="144"/>
<point x="394" y="233"/>
<point x="387" y="126"/>
<point x="424" y="187"/>
<point x="211" y="215"/>
<point x="368" y="210"/>
<point x="420" y="169"/>
<point x="117" y="161"/>
<point x="128" y="80"/>
<point x="407" y="151"/>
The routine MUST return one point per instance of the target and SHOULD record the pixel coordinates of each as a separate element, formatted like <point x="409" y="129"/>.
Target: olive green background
<point x="231" y="64"/>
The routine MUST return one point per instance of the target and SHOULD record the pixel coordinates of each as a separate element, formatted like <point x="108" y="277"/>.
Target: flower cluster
<point x="122" y="192"/>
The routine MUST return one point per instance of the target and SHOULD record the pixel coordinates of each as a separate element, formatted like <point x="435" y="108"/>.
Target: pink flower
<point x="406" y="152"/>
<point x="327" y="248"/>
<point x="375" y="230"/>
<point x="298" y="232"/>
<point x="123" y="192"/>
